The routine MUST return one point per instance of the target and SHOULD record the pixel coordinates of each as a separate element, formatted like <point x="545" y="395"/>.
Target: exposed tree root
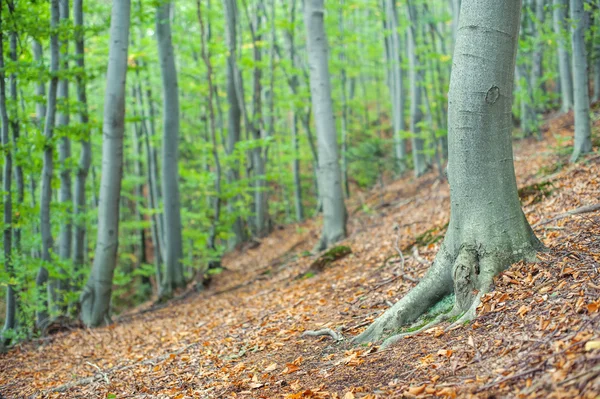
<point x="336" y="336"/>
<point x="469" y="274"/>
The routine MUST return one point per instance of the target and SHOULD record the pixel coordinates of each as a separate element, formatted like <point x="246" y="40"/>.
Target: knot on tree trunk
<point x="465" y="275"/>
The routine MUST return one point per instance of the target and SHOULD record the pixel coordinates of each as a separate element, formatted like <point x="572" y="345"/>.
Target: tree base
<point x="469" y="274"/>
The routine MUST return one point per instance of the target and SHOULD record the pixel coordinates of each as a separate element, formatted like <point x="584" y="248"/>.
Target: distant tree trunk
<point x="564" y="56"/>
<point x="14" y="127"/>
<point x="11" y="306"/>
<point x="416" y="80"/>
<point x="59" y="286"/>
<point x="537" y="86"/>
<point x="583" y="140"/>
<point x="293" y="82"/>
<point x="455" y="17"/>
<point x="330" y="184"/>
<point x="235" y="112"/>
<point x="396" y="84"/>
<point x="344" y="100"/>
<point x="216" y="202"/>
<point x="488" y="230"/>
<point x="85" y="157"/>
<point x="48" y="169"/>
<point x="96" y="295"/>
<point x="173" y="277"/>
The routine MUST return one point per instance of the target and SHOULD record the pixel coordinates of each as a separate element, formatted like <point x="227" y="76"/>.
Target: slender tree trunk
<point x="96" y="295"/>
<point x="173" y="277"/>
<point x="59" y="286"/>
<point x="85" y="157"/>
<point x="214" y="263"/>
<point x="11" y="306"/>
<point x="235" y="112"/>
<point x="293" y="82"/>
<point x="14" y="127"/>
<point x="488" y="230"/>
<point x="396" y="84"/>
<point x="330" y="179"/>
<point x="564" y="56"/>
<point x="583" y="140"/>
<point x="537" y="86"/>
<point x="416" y="80"/>
<point x="48" y="169"/>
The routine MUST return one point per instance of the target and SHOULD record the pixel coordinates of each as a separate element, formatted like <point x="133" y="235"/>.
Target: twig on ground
<point x="336" y="336"/>
<point x="418" y="258"/>
<point x="578" y="211"/>
<point x="397" y="229"/>
<point x="99" y="371"/>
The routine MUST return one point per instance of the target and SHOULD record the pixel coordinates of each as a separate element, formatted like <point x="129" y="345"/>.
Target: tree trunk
<point x="173" y="277"/>
<point x="59" y="286"/>
<point x="48" y="169"/>
<point x="96" y="295"/>
<point x="564" y="56"/>
<point x="330" y="179"/>
<point x="213" y="263"/>
<point x="235" y="112"/>
<point x="11" y="308"/>
<point x="488" y="230"/>
<point x="583" y="140"/>
<point x="537" y="86"/>
<point x="85" y="157"/>
<point x="396" y="84"/>
<point x="416" y="80"/>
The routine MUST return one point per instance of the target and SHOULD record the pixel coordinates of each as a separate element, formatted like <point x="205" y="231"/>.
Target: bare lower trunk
<point x="488" y="230"/>
<point x="96" y="295"/>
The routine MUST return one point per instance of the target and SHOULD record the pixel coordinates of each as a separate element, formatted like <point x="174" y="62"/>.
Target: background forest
<point x="219" y="145"/>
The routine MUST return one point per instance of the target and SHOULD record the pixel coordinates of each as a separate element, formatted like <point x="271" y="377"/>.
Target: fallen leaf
<point x="590" y="346"/>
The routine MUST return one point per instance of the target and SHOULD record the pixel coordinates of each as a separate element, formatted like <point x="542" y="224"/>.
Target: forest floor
<point x="537" y="335"/>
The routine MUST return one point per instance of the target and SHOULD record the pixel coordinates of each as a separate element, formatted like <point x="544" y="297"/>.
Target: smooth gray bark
<point x="173" y="277"/>
<point x="330" y="179"/>
<point x="216" y="201"/>
<point x="65" y="242"/>
<point x="235" y="111"/>
<point x="11" y="308"/>
<point x="96" y="295"/>
<point x="416" y="96"/>
<point x="15" y="129"/>
<point x="537" y="85"/>
<point x="293" y="83"/>
<point x="583" y="139"/>
<point x="561" y="30"/>
<point x="396" y="84"/>
<point x="85" y="157"/>
<point x="48" y="168"/>
<point x="488" y="230"/>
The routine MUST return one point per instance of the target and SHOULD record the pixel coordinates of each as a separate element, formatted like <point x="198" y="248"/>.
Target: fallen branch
<point x="578" y="211"/>
<point x="336" y="336"/>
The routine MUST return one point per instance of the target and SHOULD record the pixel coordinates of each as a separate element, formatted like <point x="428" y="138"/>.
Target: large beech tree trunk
<point x="96" y="295"/>
<point x="173" y="277"/>
<point x="330" y="177"/>
<point x="488" y="230"/>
